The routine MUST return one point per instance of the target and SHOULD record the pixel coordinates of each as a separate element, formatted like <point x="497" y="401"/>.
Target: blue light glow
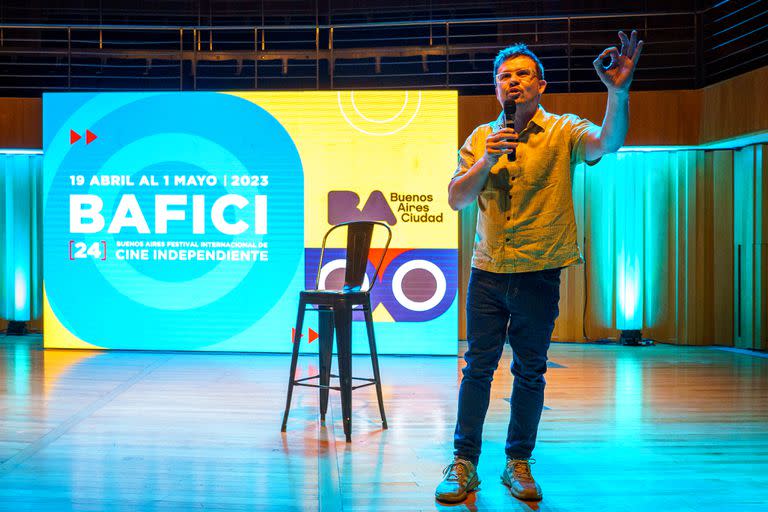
<point x="21" y="303"/>
<point x="628" y="283"/>
<point x="629" y="394"/>
<point x="21" y="369"/>
<point x="627" y="224"/>
<point x="6" y="151"/>
<point x="20" y="226"/>
<point x="628" y="218"/>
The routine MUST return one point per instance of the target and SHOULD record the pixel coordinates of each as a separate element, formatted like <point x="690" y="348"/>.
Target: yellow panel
<point x="362" y="142"/>
<point x="56" y="335"/>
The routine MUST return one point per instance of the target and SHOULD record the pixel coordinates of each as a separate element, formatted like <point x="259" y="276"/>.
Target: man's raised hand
<point x="617" y="75"/>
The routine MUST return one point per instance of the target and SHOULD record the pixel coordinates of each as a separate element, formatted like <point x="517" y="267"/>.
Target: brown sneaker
<point x="517" y="476"/>
<point x="459" y="478"/>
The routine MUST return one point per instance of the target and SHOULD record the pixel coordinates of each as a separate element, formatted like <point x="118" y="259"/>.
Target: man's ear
<point x="542" y="86"/>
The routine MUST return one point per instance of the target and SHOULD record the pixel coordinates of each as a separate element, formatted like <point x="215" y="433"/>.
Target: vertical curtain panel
<point x="675" y="244"/>
<point x="21" y="234"/>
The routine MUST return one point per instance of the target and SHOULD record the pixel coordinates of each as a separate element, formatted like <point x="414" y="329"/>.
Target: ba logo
<point x="415" y="285"/>
<point x="343" y="206"/>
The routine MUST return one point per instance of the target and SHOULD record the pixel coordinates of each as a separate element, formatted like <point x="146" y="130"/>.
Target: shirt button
<point x="509" y="218"/>
<point x="512" y="178"/>
<point x="510" y="196"/>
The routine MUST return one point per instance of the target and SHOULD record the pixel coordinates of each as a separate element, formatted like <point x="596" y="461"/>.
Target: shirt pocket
<point x="540" y="168"/>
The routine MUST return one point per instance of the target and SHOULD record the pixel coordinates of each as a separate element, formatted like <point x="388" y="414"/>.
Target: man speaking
<point x="519" y="169"/>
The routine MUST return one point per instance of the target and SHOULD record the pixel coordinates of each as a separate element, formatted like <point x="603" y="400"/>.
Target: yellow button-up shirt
<point x="525" y="218"/>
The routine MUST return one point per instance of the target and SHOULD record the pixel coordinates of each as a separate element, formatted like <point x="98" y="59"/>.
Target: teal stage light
<point x="20" y="236"/>
<point x="634" y="337"/>
<point x="16" y="328"/>
<point x="628" y="207"/>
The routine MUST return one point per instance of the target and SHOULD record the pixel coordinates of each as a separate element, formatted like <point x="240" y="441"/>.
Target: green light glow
<point x="627" y="197"/>
<point x="656" y="235"/>
<point x="628" y="218"/>
<point x="629" y="394"/>
<point x="20" y="179"/>
<point x="21" y="368"/>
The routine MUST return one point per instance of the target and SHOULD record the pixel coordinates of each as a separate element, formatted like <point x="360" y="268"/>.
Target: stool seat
<point x="321" y="297"/>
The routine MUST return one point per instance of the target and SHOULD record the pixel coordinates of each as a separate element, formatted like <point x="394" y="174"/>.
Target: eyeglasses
<point x="522" y="75"/>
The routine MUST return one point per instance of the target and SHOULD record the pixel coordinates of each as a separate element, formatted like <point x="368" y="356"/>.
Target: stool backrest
<point x="359" y="237"/>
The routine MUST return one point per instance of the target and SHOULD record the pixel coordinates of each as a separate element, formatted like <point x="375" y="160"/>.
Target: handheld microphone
<point x="510" y="107"/>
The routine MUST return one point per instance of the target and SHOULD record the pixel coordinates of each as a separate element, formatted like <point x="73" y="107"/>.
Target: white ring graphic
<point x="354" y="105"/>
<point x="397" y="285"/>
<point x="361" y="130"/>
<point x="335" y="265"/>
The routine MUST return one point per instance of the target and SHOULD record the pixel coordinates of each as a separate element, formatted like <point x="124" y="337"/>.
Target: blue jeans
<point x="521" y="308"/>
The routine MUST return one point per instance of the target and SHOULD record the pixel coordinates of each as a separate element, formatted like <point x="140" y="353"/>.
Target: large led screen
<point x="191" y="221"/>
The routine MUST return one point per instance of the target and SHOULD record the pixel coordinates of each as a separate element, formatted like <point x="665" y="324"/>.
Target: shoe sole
<point x="462" y="497"/>
<point x="512" y="491"/>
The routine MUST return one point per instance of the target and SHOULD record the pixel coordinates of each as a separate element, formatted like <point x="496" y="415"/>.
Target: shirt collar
<point x="538" y="120"/>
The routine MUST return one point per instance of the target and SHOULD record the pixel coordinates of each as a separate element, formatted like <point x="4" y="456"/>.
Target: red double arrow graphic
<point x="312" y="335"/>
<point x="89" y="136"/>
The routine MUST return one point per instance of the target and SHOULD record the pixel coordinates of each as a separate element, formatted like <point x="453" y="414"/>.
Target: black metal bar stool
<point x="335" y="308"/>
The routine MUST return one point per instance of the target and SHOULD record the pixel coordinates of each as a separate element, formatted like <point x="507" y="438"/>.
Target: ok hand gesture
<point x="618" y="74"/>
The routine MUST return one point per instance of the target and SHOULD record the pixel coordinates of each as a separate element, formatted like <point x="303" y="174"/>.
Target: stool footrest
<point x="356" y="378"/>
<point x="337" y="388"/>
<point x="296" y="381"/>
<point x="301" y="382"/>
<point x="320" y="386"/>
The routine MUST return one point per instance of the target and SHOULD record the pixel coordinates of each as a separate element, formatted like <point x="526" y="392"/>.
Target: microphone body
<point x="510" y="107"/>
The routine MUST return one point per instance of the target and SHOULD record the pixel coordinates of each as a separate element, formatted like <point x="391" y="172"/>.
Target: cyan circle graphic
<point x="221" y="278"/>
<point x="180" y="305"/>
<point x="177" y="230"/>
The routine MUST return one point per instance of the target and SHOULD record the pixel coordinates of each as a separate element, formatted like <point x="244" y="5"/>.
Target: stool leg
<point x="294" y="360"/>
<point x="375" y="362"/>
<point x="342" y="316"/>
<point x="325" y="349"/>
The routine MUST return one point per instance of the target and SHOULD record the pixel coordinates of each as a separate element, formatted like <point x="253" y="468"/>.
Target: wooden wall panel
<point x="762" y="313"/>
<point x="732" y="108"/>
<point x="720" y="164"/>
<point x="689" y="117"/>
<point x="709" y="240"/>
<point x="750" y="213"/>
<point x="21" y="123"/>
<point x="570" y="323"/>
<point x="658" y="118"/>
<point x="735" y="107"/>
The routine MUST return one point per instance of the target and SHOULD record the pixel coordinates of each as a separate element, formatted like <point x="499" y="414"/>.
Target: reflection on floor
<point x="626" y="429"/>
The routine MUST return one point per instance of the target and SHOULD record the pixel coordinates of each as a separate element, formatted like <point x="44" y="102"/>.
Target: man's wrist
<point x="619" y="94"/>
<point x="485" y="163"/>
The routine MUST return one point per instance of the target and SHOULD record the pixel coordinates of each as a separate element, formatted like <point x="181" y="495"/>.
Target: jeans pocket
<point x="551" y="275"/>
<point x="484" y="288"/>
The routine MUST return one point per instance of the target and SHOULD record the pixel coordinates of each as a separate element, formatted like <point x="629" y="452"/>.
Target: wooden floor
<point x="625" y="429"/>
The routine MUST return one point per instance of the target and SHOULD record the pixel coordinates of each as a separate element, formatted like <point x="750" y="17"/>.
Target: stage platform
<point x="625" y="429"/>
